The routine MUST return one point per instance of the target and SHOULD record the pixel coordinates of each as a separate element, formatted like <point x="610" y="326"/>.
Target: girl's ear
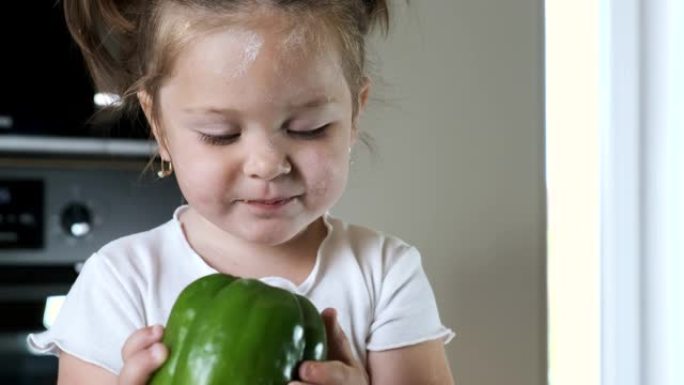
<point x="362" y="100"/>
<point x="145" y="101"/>
<point x="364" y="92"/>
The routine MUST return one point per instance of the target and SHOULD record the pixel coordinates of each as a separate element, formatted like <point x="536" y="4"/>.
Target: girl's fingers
<point x="339" y="347"/>
<point x="342" y="368"/>
<point x="141" y="339"/>
<point x="142" y="354"/>
<point x="140" y="365"/>
<point x="330" y="373"/>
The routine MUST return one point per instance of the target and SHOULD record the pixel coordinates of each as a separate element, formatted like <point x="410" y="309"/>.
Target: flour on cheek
<point x="327" y="178"/>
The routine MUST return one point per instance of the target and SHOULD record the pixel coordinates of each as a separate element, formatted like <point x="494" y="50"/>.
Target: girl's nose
<point x="265" y="160"/>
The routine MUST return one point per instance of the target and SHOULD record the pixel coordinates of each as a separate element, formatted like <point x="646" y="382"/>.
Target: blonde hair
<point x="131" y="45"/>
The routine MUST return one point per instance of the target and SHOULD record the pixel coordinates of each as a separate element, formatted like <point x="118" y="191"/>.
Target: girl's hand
<point x="342" y="368"/>
<point x="142" y="354"/>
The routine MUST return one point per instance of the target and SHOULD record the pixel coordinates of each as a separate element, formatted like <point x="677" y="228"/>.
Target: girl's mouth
<point x="268" y="203"/>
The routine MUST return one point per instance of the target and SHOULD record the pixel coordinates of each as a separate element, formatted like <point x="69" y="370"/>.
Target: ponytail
<point x="105" y="31"/>
<point x="378" y="14"/>
<point x="127" y="46"/>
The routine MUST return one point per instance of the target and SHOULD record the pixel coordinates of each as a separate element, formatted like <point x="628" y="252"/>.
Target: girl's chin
<point x="267" y="235"/>
<point x="266" y="239"/>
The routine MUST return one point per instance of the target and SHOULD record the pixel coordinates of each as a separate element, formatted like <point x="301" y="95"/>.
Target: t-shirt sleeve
<point x="406" y="312"/>
<point x="97" y="317"/>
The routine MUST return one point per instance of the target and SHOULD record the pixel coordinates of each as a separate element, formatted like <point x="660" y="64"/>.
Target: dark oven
<point x="68" y="184"/>
<point x="54" y="212"/>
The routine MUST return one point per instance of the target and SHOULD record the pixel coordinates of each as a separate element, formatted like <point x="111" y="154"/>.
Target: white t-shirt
<point x="376" y="283"/>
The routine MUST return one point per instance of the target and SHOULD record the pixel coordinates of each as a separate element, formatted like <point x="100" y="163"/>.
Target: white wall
<point x="573" y="144"/>
<point x="459" y="172"/>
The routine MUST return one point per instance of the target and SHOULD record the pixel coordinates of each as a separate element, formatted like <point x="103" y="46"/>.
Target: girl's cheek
<point x="199" y="176"/>
<point x="326" y="172"/>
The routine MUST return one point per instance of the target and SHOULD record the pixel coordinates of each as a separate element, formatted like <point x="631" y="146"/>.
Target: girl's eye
<point x="218" y="140"/>
<point x="310" y="134"/>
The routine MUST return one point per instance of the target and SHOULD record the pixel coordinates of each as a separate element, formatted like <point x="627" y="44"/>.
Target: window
<point x="615" y="128"/>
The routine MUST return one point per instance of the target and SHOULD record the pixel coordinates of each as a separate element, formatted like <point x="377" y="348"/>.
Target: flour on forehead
<point x="295" y="38"/>
<point x="253" y="42"/>
<point x="299" y="42"/>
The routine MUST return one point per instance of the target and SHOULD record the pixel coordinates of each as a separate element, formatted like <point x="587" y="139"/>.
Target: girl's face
<point x="259" y="128"/>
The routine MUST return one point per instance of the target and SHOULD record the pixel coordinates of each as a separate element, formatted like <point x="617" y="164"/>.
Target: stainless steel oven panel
<point x="103" y="200"/>
<point x="114" y="198"/>
<point x="16" y="369"/>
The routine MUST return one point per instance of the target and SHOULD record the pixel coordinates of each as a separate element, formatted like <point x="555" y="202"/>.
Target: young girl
<point x="254" y="105"/>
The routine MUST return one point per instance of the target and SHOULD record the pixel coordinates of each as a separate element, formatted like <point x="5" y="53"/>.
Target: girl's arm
<point x="424" y="364"/>
<point x="142" y="354"/>
<point x="73" y="371"/>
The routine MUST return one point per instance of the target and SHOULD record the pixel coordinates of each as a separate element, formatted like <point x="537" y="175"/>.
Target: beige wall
<point x="459" y="172"/>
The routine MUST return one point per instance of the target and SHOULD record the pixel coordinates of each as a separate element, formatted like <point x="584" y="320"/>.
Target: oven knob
<point x="76" y="220"/>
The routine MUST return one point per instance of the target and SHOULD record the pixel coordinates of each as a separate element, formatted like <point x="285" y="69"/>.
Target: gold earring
<point x="164" y="171"/>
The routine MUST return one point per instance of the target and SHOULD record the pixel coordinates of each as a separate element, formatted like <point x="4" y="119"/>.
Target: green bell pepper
<point x="237" y="331"/>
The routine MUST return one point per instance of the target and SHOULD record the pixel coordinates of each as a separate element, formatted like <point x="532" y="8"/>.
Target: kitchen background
<point x="457" y="169"/>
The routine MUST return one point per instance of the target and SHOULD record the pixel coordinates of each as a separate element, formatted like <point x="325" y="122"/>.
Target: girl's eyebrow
<point x="317" y="102"/>
<point x="210" y="111"/>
